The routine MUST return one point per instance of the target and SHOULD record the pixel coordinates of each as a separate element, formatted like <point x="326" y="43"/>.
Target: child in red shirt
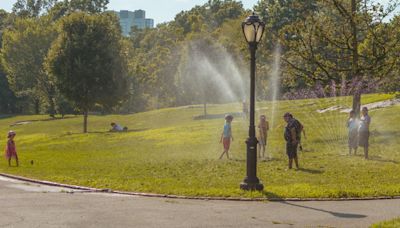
<point x="11" y="150"/>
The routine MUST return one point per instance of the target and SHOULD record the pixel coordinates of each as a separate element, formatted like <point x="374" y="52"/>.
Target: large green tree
<point x="336" y="40"/>
<point x="89" y="62"/>
<point x="7" y="97"/>
<point x="24" y="49"/>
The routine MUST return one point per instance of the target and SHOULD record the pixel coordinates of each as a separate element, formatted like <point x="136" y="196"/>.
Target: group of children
<point x="227" y="137"/>
<point x="292" y="136"/>
<point x="358" y="136"/>
<point x="359" y="131"/>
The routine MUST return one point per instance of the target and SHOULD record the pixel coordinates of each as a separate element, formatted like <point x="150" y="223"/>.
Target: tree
<point x="88" y="61"/>
<point x="32" y="8"/>
<point x="389" y="81"/>
<point x="89" y="6"/>
<point x="325" y="44"/>
<point x="7" y="97"/>
<point x="23" y="52"/>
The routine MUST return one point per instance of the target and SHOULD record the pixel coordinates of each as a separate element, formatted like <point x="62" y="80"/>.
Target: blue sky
<point x="159" y="10"/>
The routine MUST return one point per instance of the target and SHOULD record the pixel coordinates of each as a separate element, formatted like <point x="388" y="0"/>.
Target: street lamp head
<point x="253" y="29"/>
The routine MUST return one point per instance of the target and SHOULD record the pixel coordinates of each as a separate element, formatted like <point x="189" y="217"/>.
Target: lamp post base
<point x="251" y="186"/>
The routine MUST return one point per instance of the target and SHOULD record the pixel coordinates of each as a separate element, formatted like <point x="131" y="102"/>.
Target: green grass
<point x="169" y="152"/>
<point x="387" y="224"/>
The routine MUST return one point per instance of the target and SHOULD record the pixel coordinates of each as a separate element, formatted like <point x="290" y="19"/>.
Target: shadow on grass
<point x="380" y="159"/>
<point x="258" y="159"/>
<point x="331" y="140"/>
<point x="268" y="159"/>
<point x="311" y="171"/>
<point x="273" y="197"/>
<point x="372" y="158"/>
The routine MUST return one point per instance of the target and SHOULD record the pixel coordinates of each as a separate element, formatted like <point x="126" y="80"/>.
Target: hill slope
<point x="168" y="151"/>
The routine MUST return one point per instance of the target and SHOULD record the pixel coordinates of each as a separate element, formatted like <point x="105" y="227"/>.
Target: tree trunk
<point x="51" y="91"/>
<point x="354" y="65"/>
<point x="37" y="106"/>
<point x="357" y="103"/>
<point x="52" y="107"/>
<point x="85" y="117"/>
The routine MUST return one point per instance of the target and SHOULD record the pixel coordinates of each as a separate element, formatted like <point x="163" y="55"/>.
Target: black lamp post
<point x="253" y="30"/>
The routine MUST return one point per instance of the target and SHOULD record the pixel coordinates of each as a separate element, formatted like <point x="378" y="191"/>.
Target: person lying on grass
<point x="117" y="128"/>
<point x="226" y="136"/>
<point x="11" y="151"/>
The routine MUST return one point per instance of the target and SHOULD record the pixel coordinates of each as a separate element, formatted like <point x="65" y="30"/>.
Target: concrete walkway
<point x="25" y="204"/>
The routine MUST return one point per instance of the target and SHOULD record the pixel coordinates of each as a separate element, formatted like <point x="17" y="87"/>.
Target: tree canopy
<point x="88" y="61"/>
<point x="334" y="47"/>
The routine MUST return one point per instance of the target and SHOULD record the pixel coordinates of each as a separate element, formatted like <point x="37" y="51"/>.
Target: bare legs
<point x="261" y="151"/>
<point x="355" y="151"/>
<point x="296" y="162"/>
<point x="227" y="154"/>
<point x="9" y="161"/>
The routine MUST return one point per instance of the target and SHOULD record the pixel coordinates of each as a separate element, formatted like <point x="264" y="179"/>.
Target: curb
<point x="55" y="184"/>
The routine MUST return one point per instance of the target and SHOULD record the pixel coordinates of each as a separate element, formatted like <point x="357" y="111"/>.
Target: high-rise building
<point x="137" y="18"/>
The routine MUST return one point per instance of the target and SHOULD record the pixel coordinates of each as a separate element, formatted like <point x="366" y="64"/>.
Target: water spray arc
<point x="212" y="73"/>
<point x="275" y="81"/>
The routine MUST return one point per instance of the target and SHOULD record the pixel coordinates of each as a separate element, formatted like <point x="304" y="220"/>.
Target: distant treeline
<point x="326" y="47"/>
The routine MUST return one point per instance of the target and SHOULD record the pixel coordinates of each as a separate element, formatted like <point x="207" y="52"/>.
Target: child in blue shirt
<point x="226" y="136"/>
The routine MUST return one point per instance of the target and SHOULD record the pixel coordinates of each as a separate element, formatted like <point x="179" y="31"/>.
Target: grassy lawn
<point x="387" y="224"/>
<point x="168" y="151"/>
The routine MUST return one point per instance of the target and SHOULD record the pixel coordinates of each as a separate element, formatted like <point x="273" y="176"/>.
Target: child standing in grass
<point x="363" y="131"/>
<point x="11" y="150"/>
<point x="226" y="136"/>
<point x="352" y="125"/>
<point x="263" y="128"/>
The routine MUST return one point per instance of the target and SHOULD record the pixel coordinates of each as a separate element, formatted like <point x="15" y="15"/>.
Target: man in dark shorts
<point x="292" y="139"/>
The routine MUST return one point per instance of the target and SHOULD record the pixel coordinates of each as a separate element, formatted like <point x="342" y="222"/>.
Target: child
<point x="118" y="128"/>
<point x="352" y="125"/>
<point x="10" y="148"/>
<point x="363" y="131"/>
<point x="245" y="109"/>
<point x="226" y="135"/>
<point x="263" y="128"/>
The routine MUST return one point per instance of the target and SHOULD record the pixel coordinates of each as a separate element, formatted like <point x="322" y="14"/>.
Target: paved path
<point x="31" y="205"/>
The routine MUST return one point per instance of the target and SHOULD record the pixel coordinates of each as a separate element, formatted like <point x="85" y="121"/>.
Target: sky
<point x="159" y="10"/>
